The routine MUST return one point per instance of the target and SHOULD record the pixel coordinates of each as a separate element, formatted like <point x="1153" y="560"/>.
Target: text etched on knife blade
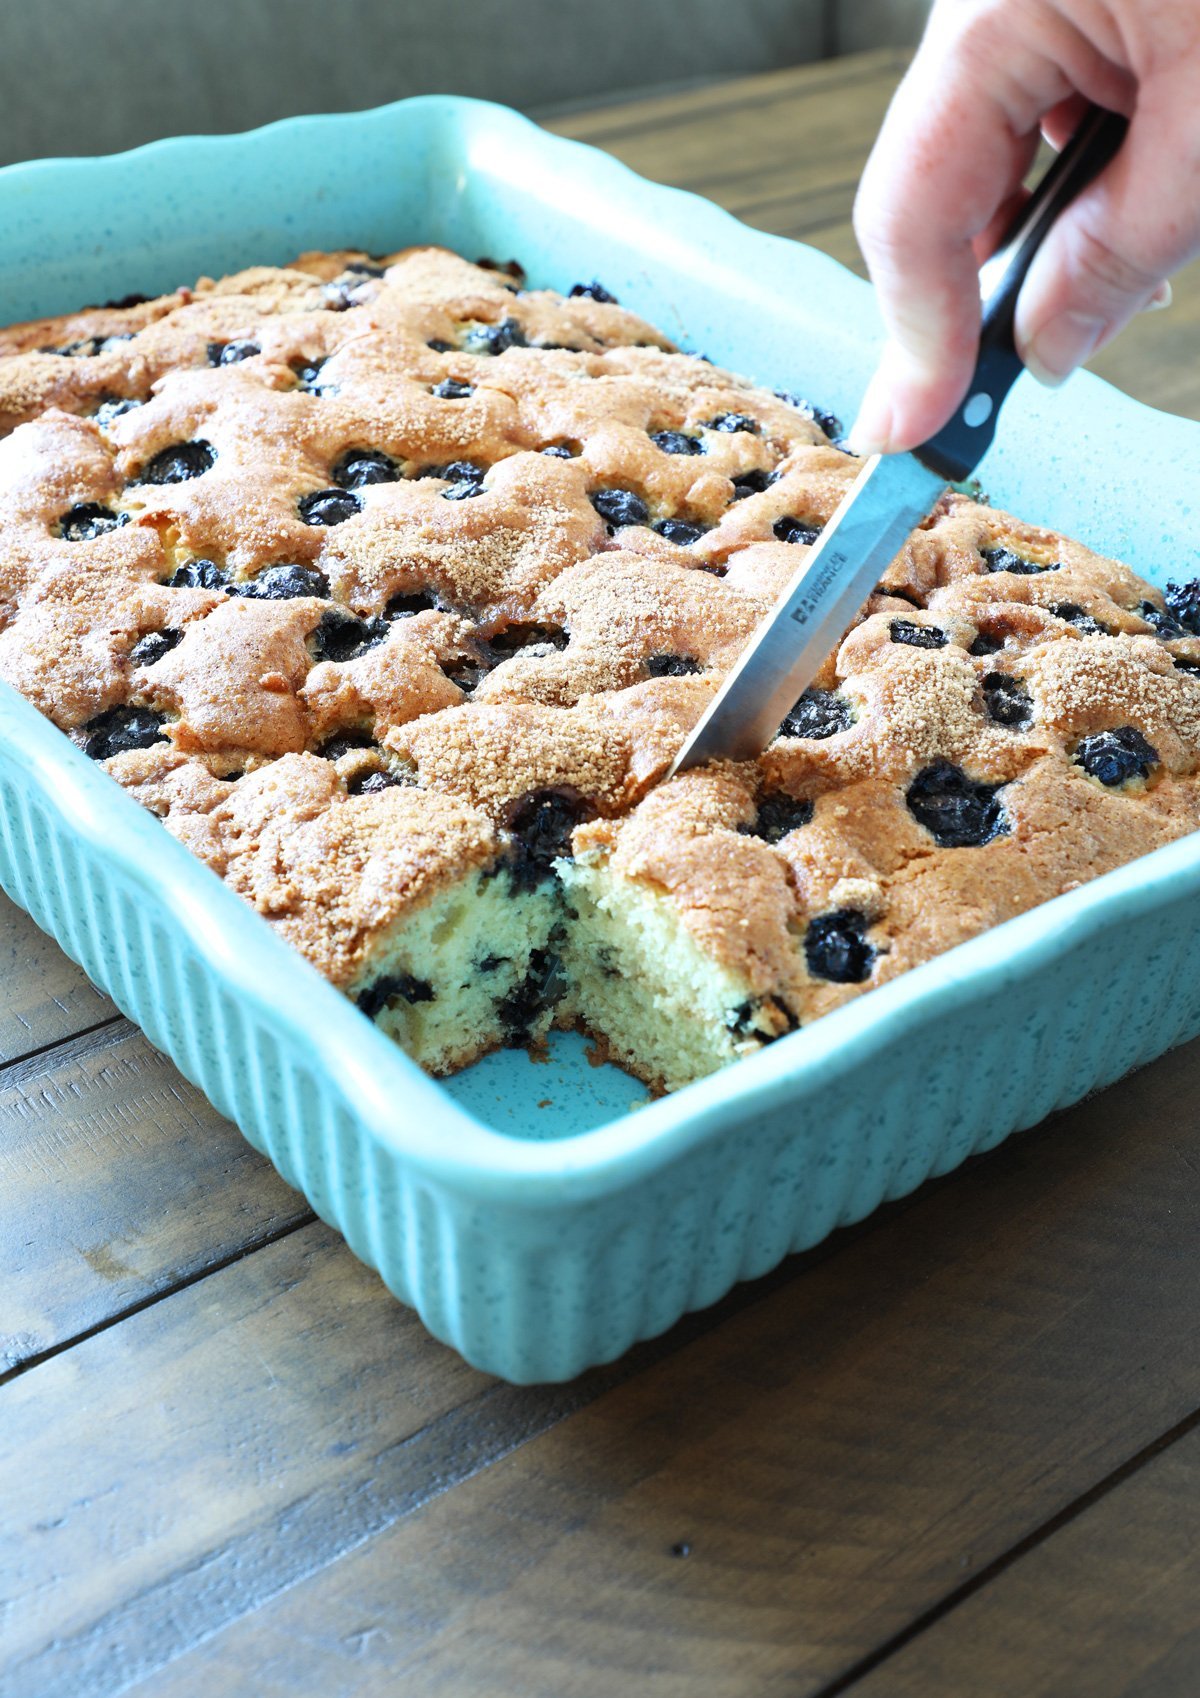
<point x="830" y="569"/>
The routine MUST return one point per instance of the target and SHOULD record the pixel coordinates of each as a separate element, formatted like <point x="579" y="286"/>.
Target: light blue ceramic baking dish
<point x="541" y="1239"/>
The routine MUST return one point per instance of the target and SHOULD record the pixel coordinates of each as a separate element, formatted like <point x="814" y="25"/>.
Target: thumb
<point x="1107" y="255"/>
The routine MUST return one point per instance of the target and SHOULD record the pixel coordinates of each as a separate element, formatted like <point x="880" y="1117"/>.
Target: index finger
<point x="956" y="142"/>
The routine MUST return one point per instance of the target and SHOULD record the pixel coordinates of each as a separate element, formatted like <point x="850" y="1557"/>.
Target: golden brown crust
<point x="472" y="637"/>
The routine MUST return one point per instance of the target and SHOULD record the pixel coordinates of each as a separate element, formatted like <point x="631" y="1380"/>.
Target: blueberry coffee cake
<point x="391" y="586"/>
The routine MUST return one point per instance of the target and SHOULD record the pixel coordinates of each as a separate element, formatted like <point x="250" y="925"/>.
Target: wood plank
<point x="166" y="1476"/>
<point x="118" y="1180"/>
<point x="44" y="997"/>
<point x="1106" y="1606"/>
<point x="709" y="105"/>
<point x="179" y="1467"/>
<point x="834" y="1464"/>
<point x="787" y="126"/>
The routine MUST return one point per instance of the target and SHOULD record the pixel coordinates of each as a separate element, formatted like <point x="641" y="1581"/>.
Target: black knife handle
<point x="960" y="445"/>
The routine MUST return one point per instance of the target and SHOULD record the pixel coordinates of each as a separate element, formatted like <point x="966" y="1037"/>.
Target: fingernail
<point x="1161" y="298"/>
<point x="1062" y="344"/>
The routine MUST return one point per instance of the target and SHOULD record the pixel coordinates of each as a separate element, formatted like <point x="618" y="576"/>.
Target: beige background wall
<point x="862" y="24"/>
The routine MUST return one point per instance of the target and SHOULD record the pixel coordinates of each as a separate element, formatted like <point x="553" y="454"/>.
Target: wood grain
<point x="118" y="1181"/>
<point x="44" y="997"/>
<point x="204" y="1453"/>
<point x="835" y="1462"/>
<point x="1106" y="1608"/>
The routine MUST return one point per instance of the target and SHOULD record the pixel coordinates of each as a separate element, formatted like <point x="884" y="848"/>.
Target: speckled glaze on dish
<point x="538" y="1240"/>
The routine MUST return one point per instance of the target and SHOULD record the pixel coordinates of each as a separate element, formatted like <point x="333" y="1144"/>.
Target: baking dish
<point x="540" y="1217"/>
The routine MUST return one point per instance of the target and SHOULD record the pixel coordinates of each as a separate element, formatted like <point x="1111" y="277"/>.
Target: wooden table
<point x="953" y="1452"/>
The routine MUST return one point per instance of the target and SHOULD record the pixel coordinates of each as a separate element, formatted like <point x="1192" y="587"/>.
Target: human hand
<point x="944" y="179"/>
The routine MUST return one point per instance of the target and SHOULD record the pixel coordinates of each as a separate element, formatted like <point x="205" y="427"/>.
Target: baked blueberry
<point x="733" y="422"/>
<point x="345" y="743"/>
<point x="308" y="371"/>
<point x="371" y="783"/>
<point x="1007" y="700"/>
<point x="836" y="948"/>
<point x="541" y="824"/>
<point x="778" y="814"/>
<point x="179" y="463"/>
<point x="620" y="507"/>
<point x="231" y="353"/>
<point x="744" y="1022"/>
<point x="1004" y="560"/>
<point x="197" y="574"/>
<point x="364" y="268"/>
<point x="1183" y="664"/>
<point x="1164" y="625"/>
<point x="673" y="665"/>
<point x="517" y="636"/>
<point x="457" y="471"/>
<point x="84" y="347"/>
<point x="122" y="729"/>
<point x="679" y="531"/>
<point x="468" y="671"/>
<point x="918" y="636"/>
<point x="751" y="483"/>
<point x="376" y="997"/>
<point x="828" y="422"/>
<point x="439" y="346"/>
<point x="510" y="267"/>
<point x="494" y="338"/>
<point x="900" y="592"/>
<point x="592" y="291"/>
<point x="956" y="811"/>
<point x="1116" y="756"/>
<point x="328" y="506"/>
<point x="284" y="583"/>
<point x="449" y="389"/>
<point x="1183" y="600"/>
<point x="89" y="519"/>
<point x="360" y="466"/>
<point x="985" y="644"/>
<point x="153" y="646"/>
<point x="1075" y="615"/>
<point x="540" y="989"/>
<point x="343" y="293"/>
<point x="130" y="300"/>
<point x="111" y="408"/>
<point x="789" y="529"/>
<point x="559" y="451"/>
<point x="676" y="442"/>
<point x="407" y="604"/>
<point x="818" y="714"/>
<point x="342" y="636"/>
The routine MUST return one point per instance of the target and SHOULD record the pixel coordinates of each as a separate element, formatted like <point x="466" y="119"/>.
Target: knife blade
<point x="887" y="500"/>
<point x="892" y="493"/>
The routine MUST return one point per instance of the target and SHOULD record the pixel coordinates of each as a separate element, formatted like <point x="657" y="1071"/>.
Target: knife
<point x="893" y="492"/>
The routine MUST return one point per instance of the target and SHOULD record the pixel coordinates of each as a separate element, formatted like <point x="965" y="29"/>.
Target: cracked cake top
<point x="337" y="565"/>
